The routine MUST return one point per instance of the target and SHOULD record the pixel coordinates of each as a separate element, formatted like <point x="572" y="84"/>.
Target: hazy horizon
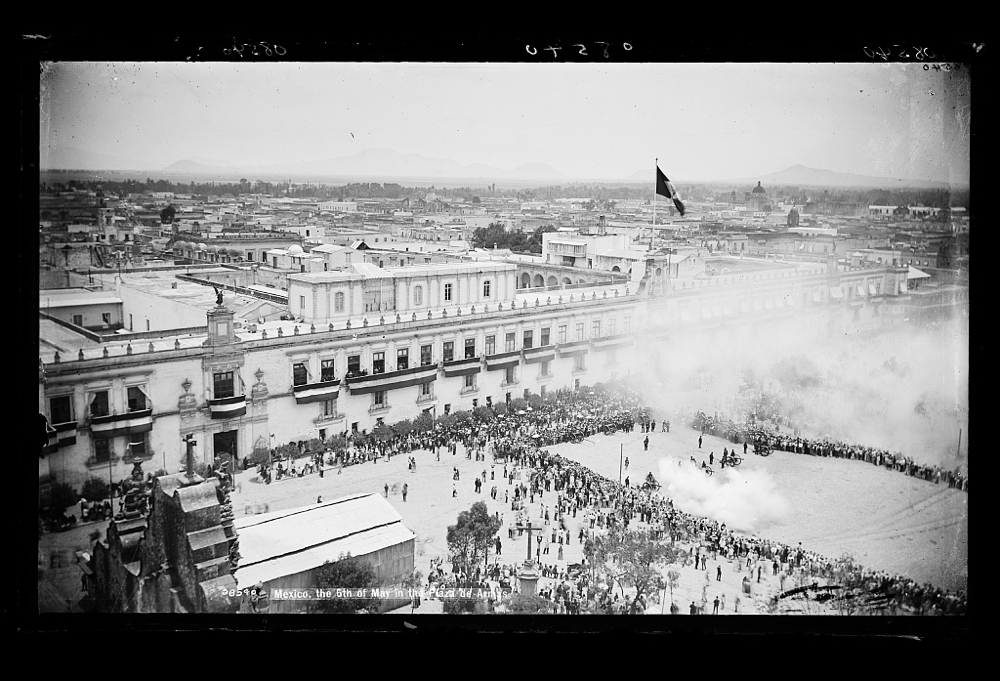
<point x="704" y="122"/>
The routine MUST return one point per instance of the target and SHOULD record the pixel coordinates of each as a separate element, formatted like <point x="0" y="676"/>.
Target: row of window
<point x="137" y="445"/>
<point x="380" y="398"/>
<point x="302" y="376"/>
<point x="98" y="404"/>
<point x="105" y="319"/>
<point x="418" y="296"/>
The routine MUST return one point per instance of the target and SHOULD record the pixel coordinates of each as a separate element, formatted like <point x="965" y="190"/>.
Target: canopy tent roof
<point x="913" y="273"/>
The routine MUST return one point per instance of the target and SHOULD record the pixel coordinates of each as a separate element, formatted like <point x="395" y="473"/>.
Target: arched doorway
<point x="525" y="280"/>
<point x="552" y="281"/>
<point x="616" y="269"/>
<point x="539" y="281"/>
<point x="567" y="280"/>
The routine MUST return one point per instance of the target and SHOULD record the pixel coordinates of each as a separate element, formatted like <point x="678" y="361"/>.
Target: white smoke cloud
<point x="903" y="389"/>
<point x="748" y="501"/>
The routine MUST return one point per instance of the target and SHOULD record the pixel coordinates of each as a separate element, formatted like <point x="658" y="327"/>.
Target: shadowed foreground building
<point x="176" y="559"/>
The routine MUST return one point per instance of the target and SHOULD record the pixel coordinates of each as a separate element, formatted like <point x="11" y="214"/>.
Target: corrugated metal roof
<point x="365" y="542"/>
<point x="327" y="529"/>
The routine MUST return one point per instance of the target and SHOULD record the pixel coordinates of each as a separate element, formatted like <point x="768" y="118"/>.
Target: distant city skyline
<point x="585" y="121"/>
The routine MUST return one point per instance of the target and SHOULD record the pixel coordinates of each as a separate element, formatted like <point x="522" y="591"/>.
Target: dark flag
<point x="665" y="188"/>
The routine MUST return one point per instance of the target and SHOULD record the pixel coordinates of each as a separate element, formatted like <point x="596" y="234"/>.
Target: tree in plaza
<point x="382" y="432"/>
<point x="673" y="579"/>
<point x="337" y="443"/>
<point x="469" y="539"/>
<point x="484" y="414"/>
<point x="424" y="422"/>
<point x="346" y="572"/>
<point x="289" y="451"/>
<point x="518" y="404"/>
<point x="95" y="489"/>
<point x="414" y="580"/>
<point x="403" y="428"/>
<point x="522" y="604"/>
<point x="632" y="558"/>
<point x="60" y="497"/>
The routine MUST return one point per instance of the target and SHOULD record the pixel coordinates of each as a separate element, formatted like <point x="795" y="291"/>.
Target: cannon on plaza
<point x="650" y="484"/>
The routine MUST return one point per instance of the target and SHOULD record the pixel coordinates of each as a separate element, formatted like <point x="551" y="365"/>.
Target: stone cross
<point x="529" y="530"/>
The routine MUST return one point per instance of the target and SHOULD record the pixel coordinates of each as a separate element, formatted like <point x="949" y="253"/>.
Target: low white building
<point x="330" y="297"/>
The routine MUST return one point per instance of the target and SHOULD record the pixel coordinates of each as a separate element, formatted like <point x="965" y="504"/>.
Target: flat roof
<point x="49" y="298"/>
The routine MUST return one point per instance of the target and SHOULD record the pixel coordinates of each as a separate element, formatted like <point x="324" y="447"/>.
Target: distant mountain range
<point x="385" y="164"/>
<point x="803" y="176"/>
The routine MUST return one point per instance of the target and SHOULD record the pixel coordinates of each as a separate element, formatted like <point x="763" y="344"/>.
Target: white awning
<point x="902" y="288"/>
<point x="871" y="290"/>
<point x="836" y="293"/>
<point x="860" y="291"/>
<point x="914" y="273"/>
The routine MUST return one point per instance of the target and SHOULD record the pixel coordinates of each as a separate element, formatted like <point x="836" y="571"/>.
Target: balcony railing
<point x="468" y="390"/>
<point x="423" y="399"/>
<point x="378" y="408"/>
<point x="328" y="418"/>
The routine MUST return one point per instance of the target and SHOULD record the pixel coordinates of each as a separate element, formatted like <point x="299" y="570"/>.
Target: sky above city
<point x="701" y="121"/>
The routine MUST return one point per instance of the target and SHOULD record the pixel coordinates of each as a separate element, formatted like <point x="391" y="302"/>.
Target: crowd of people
<point x="516" y="438"/>
<point x="772" y="438"/>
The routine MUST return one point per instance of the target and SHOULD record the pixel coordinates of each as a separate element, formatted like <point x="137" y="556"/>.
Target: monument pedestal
<point x="528" y="576"/>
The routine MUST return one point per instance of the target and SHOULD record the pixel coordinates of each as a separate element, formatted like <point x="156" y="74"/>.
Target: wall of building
<point x="143" y="311"/>
<point x="391" y="564"/>
<point x="91" y="316"/>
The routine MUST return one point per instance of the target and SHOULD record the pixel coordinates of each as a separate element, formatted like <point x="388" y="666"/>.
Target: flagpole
<point x="655" y="178"/>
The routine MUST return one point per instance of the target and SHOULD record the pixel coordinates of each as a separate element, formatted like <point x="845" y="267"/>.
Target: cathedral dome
<point x="758" y="189"/>
<point x="294" y="249"/>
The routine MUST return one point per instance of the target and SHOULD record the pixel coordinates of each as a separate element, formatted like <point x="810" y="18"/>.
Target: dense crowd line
<point x="743" y="432"/>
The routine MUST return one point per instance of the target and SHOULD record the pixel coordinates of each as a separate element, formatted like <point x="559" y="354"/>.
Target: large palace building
<point x="367" y="344"/>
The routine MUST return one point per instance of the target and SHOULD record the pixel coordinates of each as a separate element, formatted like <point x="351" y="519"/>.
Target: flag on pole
<point x="665" y="187"/>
